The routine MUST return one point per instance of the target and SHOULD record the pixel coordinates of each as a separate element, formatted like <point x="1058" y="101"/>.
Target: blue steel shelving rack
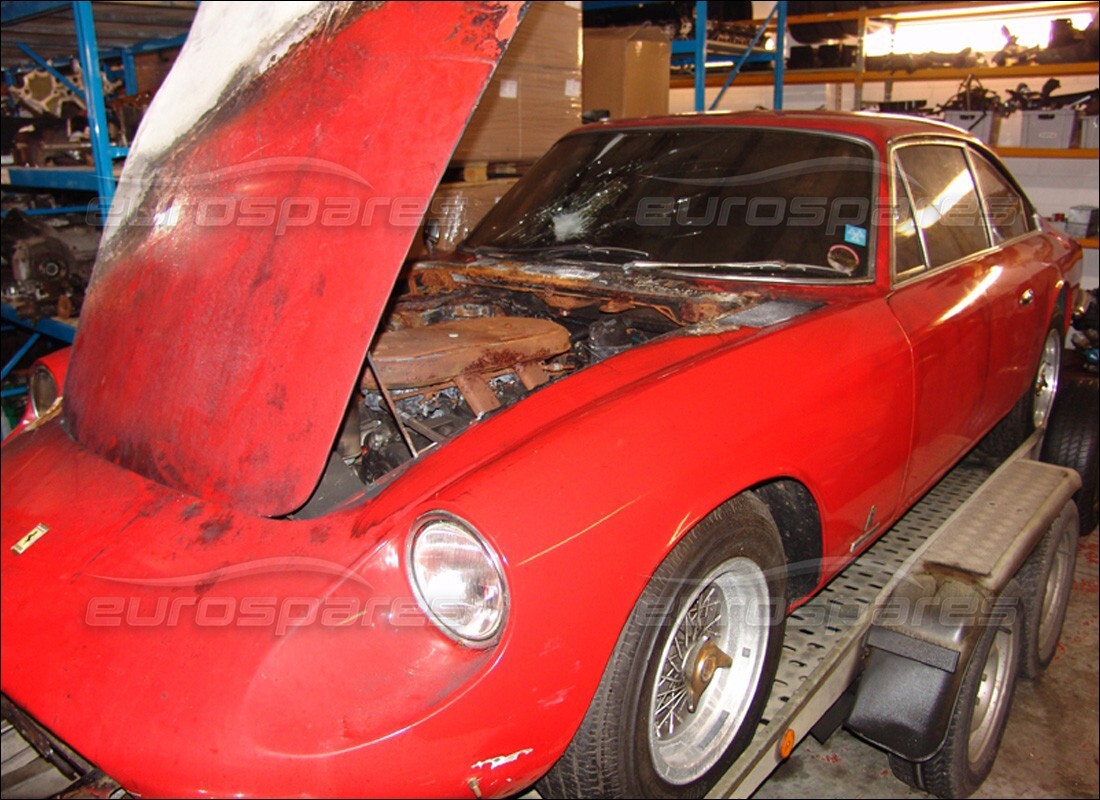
<point x="100" y="178"/>
<point x="700" y="52"/>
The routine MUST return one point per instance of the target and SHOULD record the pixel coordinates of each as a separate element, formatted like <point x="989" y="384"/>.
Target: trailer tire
<point x="981" y="711"/>
<point x="1046" y="579"/>
<point x="978" y="719"/>
<point x="1072" y="441"/>
<point x="906" y="771"/>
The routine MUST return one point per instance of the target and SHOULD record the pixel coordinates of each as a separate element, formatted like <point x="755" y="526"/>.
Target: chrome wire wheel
<point x="709" y="668"/>
<point x="1046" y="379"/>
<point x="705" y="634"/>
<point x="994" y="689"/>
<point x="1059" y="580"/>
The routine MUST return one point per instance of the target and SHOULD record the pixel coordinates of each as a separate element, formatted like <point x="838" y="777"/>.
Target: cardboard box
<point x="626" y="71"/>
<point x="524" y="110"/>
<point x="549" y="36"/>
<point x="535" y="95"/>
<point x="150" y="69"/>
<point x="454" y="211"/>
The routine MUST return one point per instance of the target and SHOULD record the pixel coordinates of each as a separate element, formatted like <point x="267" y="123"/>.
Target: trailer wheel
<point x="978" y="719"/>
<point x="1046" y="578"/>
<point x="1071" y="441"/>
<point x="687" y="681"/>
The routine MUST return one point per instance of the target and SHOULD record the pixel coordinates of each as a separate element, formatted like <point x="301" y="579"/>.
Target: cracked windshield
<point x="726" y="201"/>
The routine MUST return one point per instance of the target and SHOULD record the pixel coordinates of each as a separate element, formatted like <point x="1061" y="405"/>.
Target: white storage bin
<point x="1049" y="129"/>
<point x="1011" y="131"/>
<point x="982" y="124"/>
<point x="1090" y="132"/>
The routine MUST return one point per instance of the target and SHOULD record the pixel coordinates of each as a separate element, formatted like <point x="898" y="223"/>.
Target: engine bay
<point x="465" y="340"/>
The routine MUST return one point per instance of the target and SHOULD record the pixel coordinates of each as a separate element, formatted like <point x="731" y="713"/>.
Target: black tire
<point x="906" y="771"/>
<point x="1071" y="441"/>
<point x="611" y="754"/>
<point x="1019" y="423"/>
<point x="1045" y="580"/>
<point x="1010" y="432"/>
<point x="959" y="768"/>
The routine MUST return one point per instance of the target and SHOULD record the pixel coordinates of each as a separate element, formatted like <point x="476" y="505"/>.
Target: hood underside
<point x="256" y="238"/>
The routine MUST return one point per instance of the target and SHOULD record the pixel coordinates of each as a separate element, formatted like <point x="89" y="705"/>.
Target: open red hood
<point x="263" y="217"/>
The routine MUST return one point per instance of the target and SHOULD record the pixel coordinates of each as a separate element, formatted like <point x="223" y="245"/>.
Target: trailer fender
<point x="915" y="658"/>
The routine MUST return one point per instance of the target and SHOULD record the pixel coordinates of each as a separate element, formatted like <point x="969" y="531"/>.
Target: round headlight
<point x="43" y="390"/>
<point x="458" y="580"/>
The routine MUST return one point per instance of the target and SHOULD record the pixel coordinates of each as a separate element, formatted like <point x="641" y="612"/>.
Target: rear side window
<point x="907" y="247"/>
<point x="1004" y="207"/>
<point x="945" y="202"/>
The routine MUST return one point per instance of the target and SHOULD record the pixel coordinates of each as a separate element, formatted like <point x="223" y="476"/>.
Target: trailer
<point x="916" y="645"/>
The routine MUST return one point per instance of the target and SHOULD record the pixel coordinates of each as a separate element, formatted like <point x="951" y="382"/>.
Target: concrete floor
<point x="1051" y="746"/>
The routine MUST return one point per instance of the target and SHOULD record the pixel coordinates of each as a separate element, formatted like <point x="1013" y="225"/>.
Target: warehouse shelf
<point x="1031" y="152"/>
<point x="120" y="26"/>
<point x="751" y="56"/>
<point x="701" y="51"/>
<point x="53" y="327"/>
<point x="859" y="75"/>
<point x="809" y="76"/>
<point x="84" y="179"/>
<point x="954" y="9"/>
<point x="37" y="35"/>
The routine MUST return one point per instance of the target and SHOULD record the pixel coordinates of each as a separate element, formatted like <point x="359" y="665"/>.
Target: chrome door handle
<point x="1027" y="297"/>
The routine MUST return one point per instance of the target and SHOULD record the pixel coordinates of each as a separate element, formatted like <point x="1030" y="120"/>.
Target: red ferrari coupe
<point x="305" y="523"/>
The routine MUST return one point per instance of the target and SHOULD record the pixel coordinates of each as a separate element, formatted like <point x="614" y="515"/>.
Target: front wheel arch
<point x="613" y="752"/>
<point x="798" y="517"/>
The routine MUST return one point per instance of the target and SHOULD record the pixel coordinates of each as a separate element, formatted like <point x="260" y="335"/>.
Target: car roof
<point x="878" y="128"/>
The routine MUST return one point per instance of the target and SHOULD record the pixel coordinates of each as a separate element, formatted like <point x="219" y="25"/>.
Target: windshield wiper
<point x="561" y="251"/>
<point x="771" y="267"/>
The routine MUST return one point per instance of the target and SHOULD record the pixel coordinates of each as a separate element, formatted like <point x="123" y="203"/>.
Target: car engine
<point x="460" y="344"/>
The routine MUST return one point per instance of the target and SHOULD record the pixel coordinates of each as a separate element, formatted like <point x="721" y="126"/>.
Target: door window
<point x="1005" y="209"/>
<point x="908" y="255"/>
<point x="946" y="210"/>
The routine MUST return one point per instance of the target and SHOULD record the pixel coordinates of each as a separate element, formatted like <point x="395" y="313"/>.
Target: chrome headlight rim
<point x="41" y="372"/>
<point x="492" y="557"/>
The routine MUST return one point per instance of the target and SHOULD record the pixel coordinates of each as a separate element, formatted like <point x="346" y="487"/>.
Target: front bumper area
<point x="118" y="636"/>
<point x="38" y="764"/>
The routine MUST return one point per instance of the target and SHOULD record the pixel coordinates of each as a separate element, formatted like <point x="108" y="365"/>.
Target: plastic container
<point x="1090" y="132"/>
<point x="1083" y="221"/>
<point x="1050" y="130"/>
<point x="983" y="124"/>
<point x="1011" y="131"/>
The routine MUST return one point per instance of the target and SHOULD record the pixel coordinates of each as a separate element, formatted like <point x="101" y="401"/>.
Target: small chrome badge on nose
<point x="36" y="533"/>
